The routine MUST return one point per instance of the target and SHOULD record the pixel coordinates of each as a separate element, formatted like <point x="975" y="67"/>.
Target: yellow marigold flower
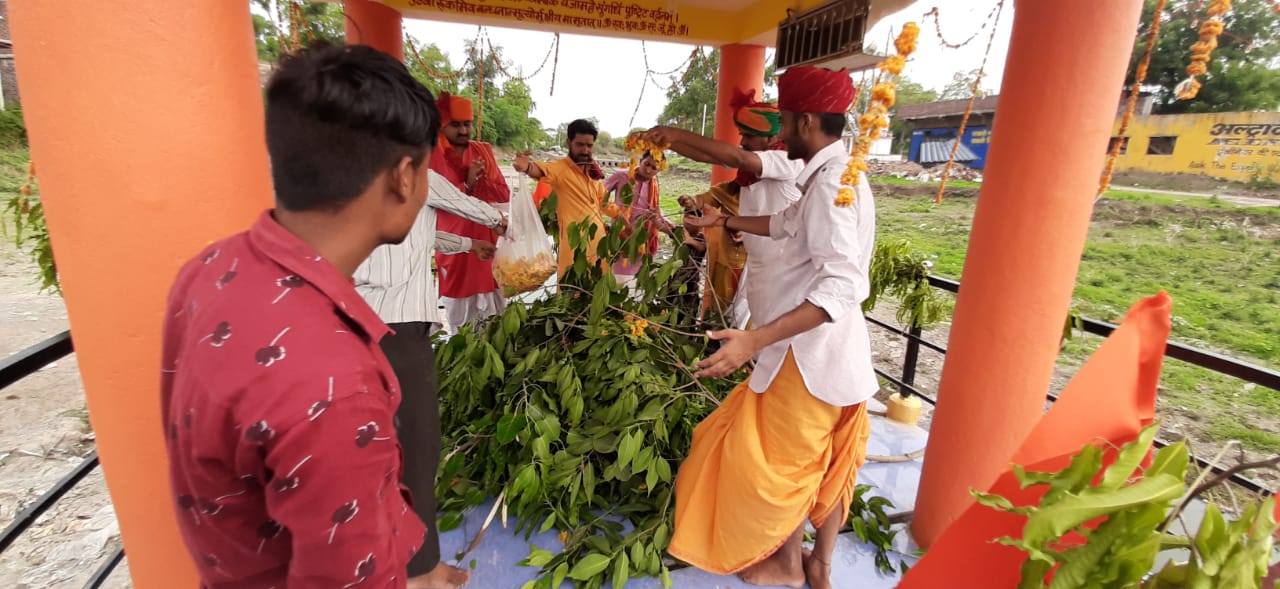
<point x="906" y="41"/>
<point x="884" y="93"/>
<point x="1197" y="69"/>
<point x="845" y="197"/>
<point x="1205" y="46"/>
<point x="850" y="177"/>
<point x="1211" y="27"/>
<point x="893" y="65"/>
<point x="866" y="121"/>
<point x="1219" y="7"/>
<point x="1188" y="89"/>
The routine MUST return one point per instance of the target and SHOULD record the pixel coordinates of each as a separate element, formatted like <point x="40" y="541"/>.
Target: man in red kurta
<point x="468" y="290"/>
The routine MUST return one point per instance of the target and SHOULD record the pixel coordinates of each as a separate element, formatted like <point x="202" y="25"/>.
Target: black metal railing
<point x="1203" y="358"/>
<point x="13" y="369"/>
<point x="33" y="359"/>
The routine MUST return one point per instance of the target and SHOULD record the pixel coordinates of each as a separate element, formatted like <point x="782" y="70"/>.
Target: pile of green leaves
<point x="1124" y="520"/>
<point x="582" y="414"/>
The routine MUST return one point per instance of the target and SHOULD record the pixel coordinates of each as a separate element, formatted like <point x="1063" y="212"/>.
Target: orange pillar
<point x="376" y="25"/>
<point x="148" y="144"/>
<point x="1062" y="81"/>
<point x="741" y="68"/>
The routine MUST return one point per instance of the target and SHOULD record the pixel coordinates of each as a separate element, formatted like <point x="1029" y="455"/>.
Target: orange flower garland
<point x="1201" y="50"/>
<point x="876" y="119"/>
<point x="1139" y="76"/>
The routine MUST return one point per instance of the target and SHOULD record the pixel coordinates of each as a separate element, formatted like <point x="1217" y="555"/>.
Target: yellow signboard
<point x="1240" y="146"/>
<point x="695" y="22"/>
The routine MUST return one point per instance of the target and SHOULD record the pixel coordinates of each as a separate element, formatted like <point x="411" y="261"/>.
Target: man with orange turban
<point x="785" y="446"/>
<point x="765" y="184"/>
<point x="468" y="290"/>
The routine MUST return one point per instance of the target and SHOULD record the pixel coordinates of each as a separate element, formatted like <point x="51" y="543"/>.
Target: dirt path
<point x="1235" y="199"/>
<point x="44" y="433"/>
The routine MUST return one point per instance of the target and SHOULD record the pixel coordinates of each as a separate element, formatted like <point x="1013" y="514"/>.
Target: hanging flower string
<point x="1139" y="76"/>
<point x="876" y="119"/>
<point x="555" y="43"/>
<point x="968" y="109"/>
<point x="1201" y="50"/>
<point x="937" y="27"/>
<point x="417" y="58"/>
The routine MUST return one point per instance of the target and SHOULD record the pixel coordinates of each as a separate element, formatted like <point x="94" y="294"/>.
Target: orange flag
<point x="1111" y="399"/>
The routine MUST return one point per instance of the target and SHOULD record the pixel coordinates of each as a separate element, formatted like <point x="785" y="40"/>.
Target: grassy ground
<point x="1218" y="261"/>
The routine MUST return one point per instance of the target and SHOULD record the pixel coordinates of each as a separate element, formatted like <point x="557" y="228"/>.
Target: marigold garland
<point x="1139" y="76"/>
<point x="968" y="109"/>
<point x="1202" y="49"/>
<point x="637" y="146"/>
<point x="876" y="119"/>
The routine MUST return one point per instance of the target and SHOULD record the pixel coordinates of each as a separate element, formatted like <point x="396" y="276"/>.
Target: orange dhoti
<point x="760" y="465"/>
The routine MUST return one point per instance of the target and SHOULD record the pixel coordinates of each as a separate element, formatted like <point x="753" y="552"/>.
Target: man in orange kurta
<point x="468" y="290"/>
<point x="577" y="182"/>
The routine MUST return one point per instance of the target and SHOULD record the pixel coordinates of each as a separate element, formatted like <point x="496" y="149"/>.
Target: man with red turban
<point x="468" y="290"/>
<point x="765" y="184"/>
<point x="785" y="446"/>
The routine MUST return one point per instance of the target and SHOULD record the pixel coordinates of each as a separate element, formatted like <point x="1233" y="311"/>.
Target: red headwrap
<point x="454" y="108"/>
<point x="817" y="90"/>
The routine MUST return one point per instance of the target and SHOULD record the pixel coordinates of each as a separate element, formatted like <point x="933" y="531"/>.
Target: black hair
<point x="337" y="116"/>
<point x="582" y="127"/>
<point x="832" y="123"/>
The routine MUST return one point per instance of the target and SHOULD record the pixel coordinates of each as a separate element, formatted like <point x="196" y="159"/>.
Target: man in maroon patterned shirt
<point x="277" y="401"/>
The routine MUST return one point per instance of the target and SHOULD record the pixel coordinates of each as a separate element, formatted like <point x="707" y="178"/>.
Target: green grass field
<point x="1218" y="261"/>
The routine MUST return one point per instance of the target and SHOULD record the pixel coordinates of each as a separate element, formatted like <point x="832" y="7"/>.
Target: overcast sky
<point x="602" y="77"/>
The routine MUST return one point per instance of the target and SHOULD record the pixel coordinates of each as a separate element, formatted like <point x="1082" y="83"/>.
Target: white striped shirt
<point x="396" y="280"/>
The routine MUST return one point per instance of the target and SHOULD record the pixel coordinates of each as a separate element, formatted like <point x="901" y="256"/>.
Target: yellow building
<point x="1239" y="146"/>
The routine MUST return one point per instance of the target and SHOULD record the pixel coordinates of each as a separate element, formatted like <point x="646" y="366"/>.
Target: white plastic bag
<point x="524" y="259"/>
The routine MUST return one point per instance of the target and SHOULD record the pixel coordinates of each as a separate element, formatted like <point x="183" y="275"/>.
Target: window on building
<point x="1124" y="144"/>
<point x="1161" y="145"/>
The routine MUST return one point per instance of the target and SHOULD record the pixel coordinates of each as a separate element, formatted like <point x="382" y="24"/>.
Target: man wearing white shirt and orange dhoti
<point x="785" y="446"/>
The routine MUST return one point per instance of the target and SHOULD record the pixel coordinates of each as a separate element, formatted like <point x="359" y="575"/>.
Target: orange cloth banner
<point x="1120" y="378"/>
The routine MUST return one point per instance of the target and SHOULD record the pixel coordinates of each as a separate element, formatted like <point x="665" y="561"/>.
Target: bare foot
<point x="779" y="570"/>
<point x="816" y="571"/>
<point x="441" y="577"/>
